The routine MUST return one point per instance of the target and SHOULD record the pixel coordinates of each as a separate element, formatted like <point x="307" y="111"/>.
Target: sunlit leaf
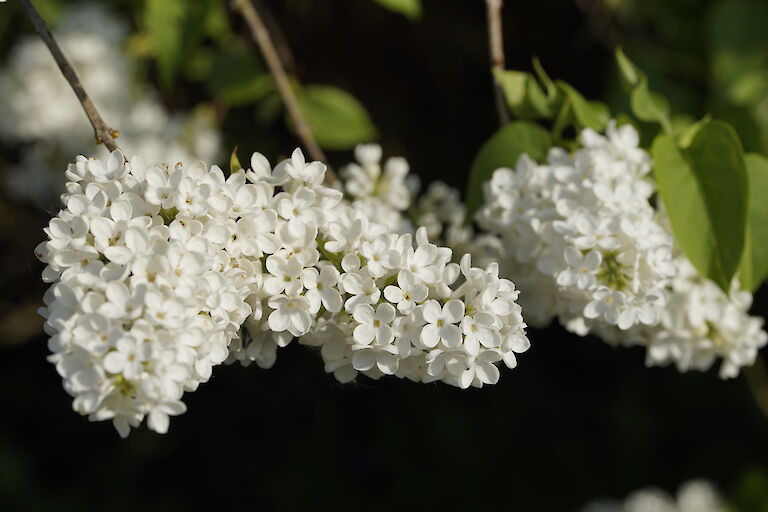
<point x="234" y="161"/>
<point x="704" y="190"/>
<point x="525" y="97"/>
<point x="588" y="114"/>
<point x="411" y="9"/>
<point x="650" y="106"/>
<point x="338" y="120"/>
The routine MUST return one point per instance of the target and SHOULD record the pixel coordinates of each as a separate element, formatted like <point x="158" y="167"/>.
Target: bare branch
<point x="496" y="49"/>
<point x="261" y="35"/>
<point x="103" y="133"/>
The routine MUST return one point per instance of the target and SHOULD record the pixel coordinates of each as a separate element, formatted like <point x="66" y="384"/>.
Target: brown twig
<point x="496" y="48"/>
<point x="264" y="41"/>
<point x="103" y="133"/>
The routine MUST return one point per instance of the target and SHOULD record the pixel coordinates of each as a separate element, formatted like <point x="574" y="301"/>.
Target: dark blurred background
<point x="577" y="420"/>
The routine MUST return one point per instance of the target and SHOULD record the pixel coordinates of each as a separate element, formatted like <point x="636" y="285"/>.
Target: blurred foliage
<point x="411" y="9"/>
<point x="577" y="420"/>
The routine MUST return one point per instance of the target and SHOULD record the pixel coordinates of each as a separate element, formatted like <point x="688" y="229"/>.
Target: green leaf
<point x="588" y="114"/>
<point x="754" y="262"/>
<point x="704" y="191"/>
<point x="647" y="105"/>
<point x="238" y="78"/>
<point x="411" y="9"/>
<point x="234" y="162"/>
<point x="525" y="97"/>
<point x="502" y="150"/>
<point x="650" y="106"/>
<point x="163" y="20"/>
<point x="629" y="73"/>
<point x="174" y="28"/>
<point x="338" y="121"/>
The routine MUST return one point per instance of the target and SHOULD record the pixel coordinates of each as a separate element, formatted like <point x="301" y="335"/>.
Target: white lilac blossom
<point x="155" y="268"/>
<point x="700" y="324"/>
<point x="344" y="282"/>
<point x="583" y="241"/>
<point x="693" y="496"/>
<point x="442" y="213"/>
<point x="40" y="113"/>
<point x="145" y="297"/>
<point x="580" y="232"/>
<point x="379" y="191"/>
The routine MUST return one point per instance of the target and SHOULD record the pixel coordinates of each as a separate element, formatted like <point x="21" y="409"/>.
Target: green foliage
<point x="704" y="190"/>
<point x="646" y="105"/>
<point x="50" y="10"/>
<point x="536" y="96"/>
<point x="587" y="114"/>
<point x="738" y="40"/>
<point x="234" y="161"/>
<point x="238" y="77"/>
<point x="411" y="9"/>
<point x="751" y="491"/>
<point x="174" y="29"/>
<point x="502" y="150"/>
<point x="338" y="120"/>
<point x="754" y="262"/>
<point x="526" y="98"/>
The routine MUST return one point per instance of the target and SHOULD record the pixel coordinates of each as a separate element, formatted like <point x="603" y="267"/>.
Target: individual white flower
<point x="284" y="275"/>
<point x="441" y="323"/>
<point x="374" y="324"/>
<point x="480" y="330"/>
<point x="408" y="292"/>
<point x="291" y="313"/>
<point x="321" y="288"/>
<point x="582" y="268"/>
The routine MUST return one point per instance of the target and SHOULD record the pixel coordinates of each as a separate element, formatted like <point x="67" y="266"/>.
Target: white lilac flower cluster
<point x="376" y="302"/>
<point x="39" y="110"/>
<point x="700" y="324"/>
<point x="147" y="293"/>
<point x="581" y="238"/>
<point x="693" y="496"/>
<point x="580" y="233"/>
<point x="379" y="192"/>
<point x="155" y="268"/>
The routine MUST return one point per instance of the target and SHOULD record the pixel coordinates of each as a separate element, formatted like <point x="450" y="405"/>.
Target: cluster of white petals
<point x="581" y="238"/>
<point x="379" y="192"/>
<point x="693" y="496"/>
<point x="154" y="269"/>
<point x="40" y="113"/>
<point x="700" y="324"/>
<point x="146" y="293"/>
<point x="376" y="302"/>
<point x="580" y="234"/>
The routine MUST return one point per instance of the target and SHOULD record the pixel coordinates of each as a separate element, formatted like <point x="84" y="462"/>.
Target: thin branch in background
<point x="262" y="37"/>
<point x="103" y="133"/>
<point x="278" y="38"/>
<point x="757" y="380"/>
<point x="496" y="47"/>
